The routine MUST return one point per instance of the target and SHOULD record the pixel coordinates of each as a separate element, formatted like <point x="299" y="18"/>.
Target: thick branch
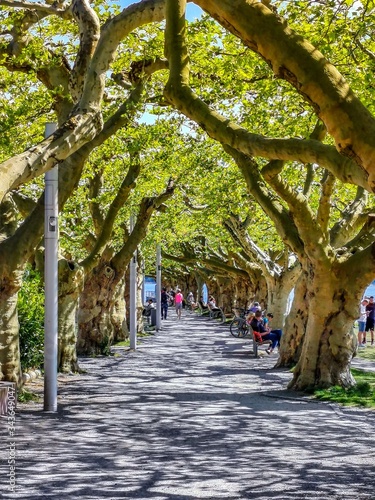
<point x="364" y="238"/>
<point x="319" y="133"/>
<point x="215" y="266"/>
<point x="324" y="208"/>
<point x="310" y="232"/>
<point x="57" y="8"/>
<point x="352" y="219"/>
<point x="113" y="32"/>
<point x="238" y="232"/>
<point x="38" y="159"/>
<point x="107" y="227"/>
<point x="89" y="31"/>
<point x="363" y="260"/>
<point x="147" y="208"/>
<point x="292" y="58"/>
<point x="178" y="93"/>
<point x="95" y="185"/>
<point x="267" y="200"/>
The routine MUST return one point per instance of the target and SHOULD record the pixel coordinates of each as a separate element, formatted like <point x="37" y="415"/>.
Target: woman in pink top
<point x="178" y="302"/>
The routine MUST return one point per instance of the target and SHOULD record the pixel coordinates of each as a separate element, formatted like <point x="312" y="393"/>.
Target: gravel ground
<point x="191" y="414"/>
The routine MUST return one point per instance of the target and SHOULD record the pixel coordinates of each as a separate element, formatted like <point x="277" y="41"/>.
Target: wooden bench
<point x="258" y="343"/>
<point x="217" y="314"/>
<point x="202" y="310"/>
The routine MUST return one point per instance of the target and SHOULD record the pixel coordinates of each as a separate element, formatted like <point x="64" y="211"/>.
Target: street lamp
<point x="50" y="282"/>
<point x="158" y="287"/>
<point x="133" y="295"/>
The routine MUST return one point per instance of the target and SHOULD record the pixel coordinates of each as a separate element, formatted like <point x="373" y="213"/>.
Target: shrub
<point x="31" y="319"/>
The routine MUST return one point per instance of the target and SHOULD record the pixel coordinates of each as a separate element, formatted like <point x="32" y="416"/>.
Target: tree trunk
<point x="70" y="287"/>
<point x="98" y="302"/>
<point x="243" y="292"/>
<point x="10" y="363"/>
<point x="260" y="292"/>
<point x="118" y="316"/>
<point x="226" y="294"/>
<point x="278" y="294"/>
<point x="329" y="344"/>
<point x="280" y="284"/>
<point x="295" y="326"/>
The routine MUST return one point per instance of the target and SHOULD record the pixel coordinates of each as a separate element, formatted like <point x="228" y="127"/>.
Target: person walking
<point x="178" y="300"/>
<point x="164" y="297"/>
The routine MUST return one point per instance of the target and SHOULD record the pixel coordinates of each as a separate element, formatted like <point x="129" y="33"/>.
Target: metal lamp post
<point x="158" y="287"/>
<point x="133" y="296"/>
<point x="51" y="282"/>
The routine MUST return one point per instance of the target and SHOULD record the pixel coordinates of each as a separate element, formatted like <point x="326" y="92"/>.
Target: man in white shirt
<point x="362" y="323"/>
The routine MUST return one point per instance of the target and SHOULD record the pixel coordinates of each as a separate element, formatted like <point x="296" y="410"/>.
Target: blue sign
<point x="205" y="293"/>
<point x="149" y="289"/>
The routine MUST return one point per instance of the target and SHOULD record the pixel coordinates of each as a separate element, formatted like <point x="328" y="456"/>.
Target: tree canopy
<point x="260" y="113"/>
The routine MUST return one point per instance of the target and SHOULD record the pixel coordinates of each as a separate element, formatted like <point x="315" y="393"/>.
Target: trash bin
<point x="153" y="317"/>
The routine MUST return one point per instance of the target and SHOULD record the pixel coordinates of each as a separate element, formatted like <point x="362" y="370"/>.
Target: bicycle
<point x="239" y="327"/>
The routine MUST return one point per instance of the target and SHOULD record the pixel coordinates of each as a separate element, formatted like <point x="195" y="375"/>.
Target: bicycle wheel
<point x="238" y="327"/>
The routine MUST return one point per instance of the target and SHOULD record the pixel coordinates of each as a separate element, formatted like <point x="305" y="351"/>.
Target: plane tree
<point x="29" y="233"/>
<point x="333" y="294"/>
<point x="338" y="262"/>
<point x="316" y="84"/>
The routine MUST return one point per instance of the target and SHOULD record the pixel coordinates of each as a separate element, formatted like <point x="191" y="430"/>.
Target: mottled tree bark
<point x="97" y="308"/>
<point x="10" y="364"/>
<point x="70" y="287"/>
<point x="328" y="344"/>
<point x="295" y="326"/>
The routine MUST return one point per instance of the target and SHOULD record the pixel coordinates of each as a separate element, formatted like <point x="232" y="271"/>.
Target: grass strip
<point x="367" y="353"/>
<point x="363" y="394"/>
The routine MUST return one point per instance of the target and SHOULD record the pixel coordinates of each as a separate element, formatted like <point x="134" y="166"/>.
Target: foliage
<point x="31" y="319"/>
<point x="343" y="32"/>
<point x="362" y="394"/>
<point x="104" y="346"/>
<point x="25" y="396"/>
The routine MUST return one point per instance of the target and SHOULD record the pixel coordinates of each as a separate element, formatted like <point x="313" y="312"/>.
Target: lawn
<point x="367" y="353"/>
<point x="363" y="394"/>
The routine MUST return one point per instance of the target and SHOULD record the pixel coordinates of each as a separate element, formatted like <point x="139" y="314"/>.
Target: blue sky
<point x="192" y="10"/>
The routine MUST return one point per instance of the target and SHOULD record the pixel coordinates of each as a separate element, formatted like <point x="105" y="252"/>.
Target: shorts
<point x="361" y="326"/>
<point x="369" y="324"/>
<point x="178" y="305"/>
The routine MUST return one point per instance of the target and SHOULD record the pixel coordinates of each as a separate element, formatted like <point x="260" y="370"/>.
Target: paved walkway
<point x="189" y="415"/>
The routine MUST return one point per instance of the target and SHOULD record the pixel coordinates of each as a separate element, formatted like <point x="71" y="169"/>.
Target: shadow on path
<point x="190" y="415"/>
